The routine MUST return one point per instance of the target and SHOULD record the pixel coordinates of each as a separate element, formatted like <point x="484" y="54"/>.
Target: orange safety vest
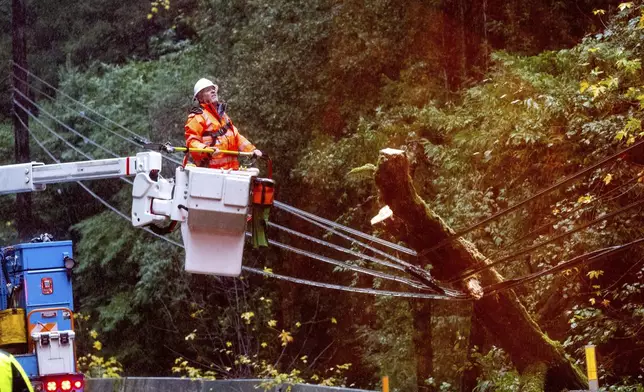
<point x="207" y="129"/>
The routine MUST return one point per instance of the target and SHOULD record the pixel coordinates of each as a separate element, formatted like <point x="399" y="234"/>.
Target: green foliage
<point x="322" y="88"/>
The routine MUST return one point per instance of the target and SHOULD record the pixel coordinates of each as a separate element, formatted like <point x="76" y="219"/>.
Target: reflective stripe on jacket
<point x="12" y="376"/>
<point x="209" y="129"/>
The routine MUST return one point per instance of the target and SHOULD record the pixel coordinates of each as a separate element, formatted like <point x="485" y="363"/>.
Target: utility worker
<point x="12" y="376"/>
<point x="208" y="126"/>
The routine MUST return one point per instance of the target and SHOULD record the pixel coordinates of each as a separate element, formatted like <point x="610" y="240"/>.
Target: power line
<point x="544" y="243"/>
<point x="336" y="247"/>
<point x="277" y="203"/>
<point x="582" y="259"/>
<point x="386" y="243"/>
<point x="349" y="238"/>
<point x="538" y="229"/>
<point x="83" y="115"/>
<point x="75" y="132"/>
<point x="311" y="255"/>
<point x="105" y="203"/>
<point x="89" y="108"/>
<point x="57" y="135"/>
<point x="454" y="294"/>
<point x="536" y="195"/>
<point x="349" y="230"/>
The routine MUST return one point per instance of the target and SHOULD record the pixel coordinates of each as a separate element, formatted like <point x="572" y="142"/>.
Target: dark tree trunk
<point x="422" y="341"/>
<point x="502" y="314"/>
<point x="477" y="339"/>
<point x="20" y="117"/>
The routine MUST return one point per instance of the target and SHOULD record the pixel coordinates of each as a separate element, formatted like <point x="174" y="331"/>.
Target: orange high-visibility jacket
<point x="209" y="130"/>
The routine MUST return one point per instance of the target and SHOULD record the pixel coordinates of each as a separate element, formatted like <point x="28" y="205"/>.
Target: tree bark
<point x="422" y="341"/>
<point x="20" y="118"/>
<point x="502" y="314"/>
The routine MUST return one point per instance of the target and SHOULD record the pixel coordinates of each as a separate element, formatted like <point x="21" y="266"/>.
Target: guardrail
<point x="162" y="384"/>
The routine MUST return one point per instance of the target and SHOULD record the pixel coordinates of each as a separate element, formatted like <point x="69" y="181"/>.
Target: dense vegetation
<point x="489" y="107"/>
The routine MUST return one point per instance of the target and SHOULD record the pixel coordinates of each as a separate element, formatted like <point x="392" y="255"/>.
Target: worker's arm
<point x="21" y="382"/>
<point x="194" y="139"/>
<point x="243" y="144"/>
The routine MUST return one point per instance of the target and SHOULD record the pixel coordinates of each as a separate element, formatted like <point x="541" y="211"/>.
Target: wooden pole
<point x="19" y="51"/>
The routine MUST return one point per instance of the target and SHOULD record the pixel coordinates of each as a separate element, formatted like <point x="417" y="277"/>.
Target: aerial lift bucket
<point x="214" y="230"/>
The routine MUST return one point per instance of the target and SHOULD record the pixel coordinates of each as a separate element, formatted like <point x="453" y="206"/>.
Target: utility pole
<point x="23" y="200"/>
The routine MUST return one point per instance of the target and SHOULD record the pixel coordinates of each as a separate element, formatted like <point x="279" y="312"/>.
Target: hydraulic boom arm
<point x="212" y="205"/>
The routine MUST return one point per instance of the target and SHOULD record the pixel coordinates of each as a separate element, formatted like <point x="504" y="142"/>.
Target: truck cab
<point x="36" y="313"/>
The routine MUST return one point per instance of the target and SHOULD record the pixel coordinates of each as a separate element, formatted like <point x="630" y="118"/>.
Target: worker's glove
<point x="167" y="147"/>
<point x="257" y="153"/>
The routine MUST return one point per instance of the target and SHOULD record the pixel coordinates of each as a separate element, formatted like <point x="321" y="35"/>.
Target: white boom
<point x="212" y="205"/>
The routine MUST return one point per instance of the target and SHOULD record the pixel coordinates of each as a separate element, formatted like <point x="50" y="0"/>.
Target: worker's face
<point x="208" y="95"/>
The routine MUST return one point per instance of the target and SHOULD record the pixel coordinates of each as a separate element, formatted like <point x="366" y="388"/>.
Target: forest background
<point x="492" y="100"/>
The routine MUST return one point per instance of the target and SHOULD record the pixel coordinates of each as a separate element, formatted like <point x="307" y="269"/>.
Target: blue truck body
<point x="35" y="279"/>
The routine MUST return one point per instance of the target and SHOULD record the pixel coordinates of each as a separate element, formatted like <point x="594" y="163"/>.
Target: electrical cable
<point x="546" y="225"/>
<point x="75" y="132"/>
<point x="57" y="135"/>
<point x="344" y="265"/>
<point x="454" y="294"/>
<point x="585" y="258"/>
<point x="402" y="249"/>
<point x="89" y="108"/>
<point x="544" y="243"/>
<point x="336" y="247"/>
<point x="534" y="196"/>
<point x="277" y="204"/>
<point x="349" y="230"/>
<point x="351" y="239"/>
<point x="83" y="115"/>
<point x="97" y="197"/>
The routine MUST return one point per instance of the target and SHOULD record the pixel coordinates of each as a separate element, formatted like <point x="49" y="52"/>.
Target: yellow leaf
<point x="599" y="12"/>
<point x="149" y="16"/>
<point x="585" y="199"/>
<point x="272" y="323"/>
<point x="333" y="320"/>
<point x="298" y="324"/>
<point x="229" y="344"/>
<point x="286" y="337"/>
<point x="268" y="270"/>
<point x="623" y="6"/>
<point x="593" y="50"/>
<point x="640" y="25"/>
<point x="247" y="316"/>
<point x="93" y="334"/>
<point x="98" y="345"/>
<point x="592" y="301"/>
<point x="606" y="302"/>
<point x="583" y="86"/>
<point x="264" y="344"/>
<point x="608" y="178"/>
<point x="630" y="140"/>
<point x="595" y="274"/>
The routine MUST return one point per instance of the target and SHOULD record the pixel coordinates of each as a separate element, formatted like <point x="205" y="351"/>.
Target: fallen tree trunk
<point x="502" y="314"/>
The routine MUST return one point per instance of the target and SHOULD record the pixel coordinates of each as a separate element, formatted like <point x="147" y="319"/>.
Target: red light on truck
<point x="47" y="286"/>
<point x="78" y="384"/>
<point x="52" y="386"/>
<point x="66" y="385"/>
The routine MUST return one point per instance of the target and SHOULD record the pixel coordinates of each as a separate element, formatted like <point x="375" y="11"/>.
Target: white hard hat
<point x="202" y="84"/>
